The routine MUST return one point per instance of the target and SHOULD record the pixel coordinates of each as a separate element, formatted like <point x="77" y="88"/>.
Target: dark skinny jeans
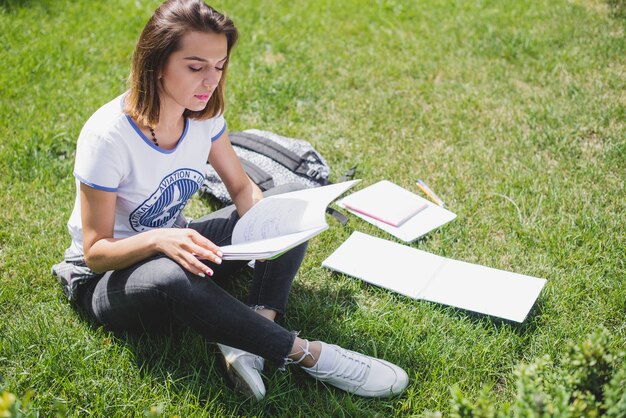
<point x="159" y="291"/>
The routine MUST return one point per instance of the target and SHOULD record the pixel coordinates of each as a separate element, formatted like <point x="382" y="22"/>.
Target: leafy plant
<point x="589" y="382"/>
<point x="14" y="407"/>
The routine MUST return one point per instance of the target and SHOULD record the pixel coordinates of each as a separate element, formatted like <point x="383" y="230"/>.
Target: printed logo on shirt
<point x="167" y="201"/>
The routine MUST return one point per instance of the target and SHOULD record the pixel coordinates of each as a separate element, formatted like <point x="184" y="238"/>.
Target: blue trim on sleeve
<point x="95" y="186"/>
<point x="149" y="141"/>
<point x="214" y="138"/>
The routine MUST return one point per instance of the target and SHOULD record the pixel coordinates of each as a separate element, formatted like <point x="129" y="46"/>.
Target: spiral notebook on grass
<point x="396" y="210"/>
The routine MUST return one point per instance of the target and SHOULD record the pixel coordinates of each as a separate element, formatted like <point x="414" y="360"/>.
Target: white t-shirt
<point x="152" y="185"/>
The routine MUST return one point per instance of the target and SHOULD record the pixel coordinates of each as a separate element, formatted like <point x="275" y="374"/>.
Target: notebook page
<point x="384" y="263"/>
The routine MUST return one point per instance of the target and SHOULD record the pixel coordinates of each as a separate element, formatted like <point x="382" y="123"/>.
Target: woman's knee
<point x="162" y="275"/>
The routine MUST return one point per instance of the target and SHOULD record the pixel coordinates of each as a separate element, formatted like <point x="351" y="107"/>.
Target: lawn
<point x="514" y="112"/>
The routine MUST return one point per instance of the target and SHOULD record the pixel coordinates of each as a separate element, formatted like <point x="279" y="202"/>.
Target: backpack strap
<point x="349" y="175"/>
<point x="276" y="152"/>
<point x="259" y="176"/>
<point x="343" y="219"/>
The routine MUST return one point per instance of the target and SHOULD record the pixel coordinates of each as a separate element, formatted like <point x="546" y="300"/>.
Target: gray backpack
<point x="271" y="160"/>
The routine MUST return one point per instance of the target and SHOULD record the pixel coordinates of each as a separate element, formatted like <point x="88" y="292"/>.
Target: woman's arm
<point x="224" y="160"/>
<point x="104" y="253"/>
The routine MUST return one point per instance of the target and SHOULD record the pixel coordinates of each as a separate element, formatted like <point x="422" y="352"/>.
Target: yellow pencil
<point x="428" y="192"/>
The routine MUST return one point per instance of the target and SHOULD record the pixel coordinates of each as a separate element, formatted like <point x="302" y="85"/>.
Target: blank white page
<point x="383" y="263"/>
<point x="483" y="289"/>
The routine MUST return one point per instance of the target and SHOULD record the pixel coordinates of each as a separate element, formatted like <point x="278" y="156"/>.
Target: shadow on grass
<point x="10" y="5"/>
<point x="530" y="324"/>
<point x="617" y="8"/>
<point x="171" y="354"/>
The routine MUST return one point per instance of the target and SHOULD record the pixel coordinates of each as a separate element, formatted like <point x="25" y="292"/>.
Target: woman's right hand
<point x="103" y="252"/>
<point x="187" y="247"/>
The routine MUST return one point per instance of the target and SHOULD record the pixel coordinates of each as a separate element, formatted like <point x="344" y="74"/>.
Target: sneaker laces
<point x="351" y="365"/>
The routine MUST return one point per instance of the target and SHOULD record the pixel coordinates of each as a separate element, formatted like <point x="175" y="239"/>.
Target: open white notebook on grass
<point x="396" y="210"/>
<point x="280" y="222"/>
<point x="422" y="275"/>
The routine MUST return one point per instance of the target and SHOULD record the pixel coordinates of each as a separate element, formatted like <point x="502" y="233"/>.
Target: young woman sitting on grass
<point x="135" y="263"/>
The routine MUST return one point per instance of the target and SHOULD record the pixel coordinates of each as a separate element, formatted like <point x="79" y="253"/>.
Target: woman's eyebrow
<point x="195" y="58"/>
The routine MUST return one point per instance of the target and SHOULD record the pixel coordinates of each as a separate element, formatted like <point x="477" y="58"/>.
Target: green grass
<point x="514" y="112"/>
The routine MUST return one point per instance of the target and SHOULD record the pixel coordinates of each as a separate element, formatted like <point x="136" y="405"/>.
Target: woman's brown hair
<point x="159" y="39"/>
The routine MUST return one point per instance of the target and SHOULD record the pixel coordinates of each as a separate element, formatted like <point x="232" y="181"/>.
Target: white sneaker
<point x="357" y="373"/>
<point x="244" y="370"/>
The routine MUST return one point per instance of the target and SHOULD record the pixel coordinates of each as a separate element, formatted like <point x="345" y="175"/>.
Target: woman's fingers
<point x="205" y="249"/>
<point x="190" y="263"/>
<point x="188" y="247"/>
<point x="204" y="254"/>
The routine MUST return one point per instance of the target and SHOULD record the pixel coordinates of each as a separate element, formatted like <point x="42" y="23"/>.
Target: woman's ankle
<point x="305" y="353"/>
<point x="265" y="312"/>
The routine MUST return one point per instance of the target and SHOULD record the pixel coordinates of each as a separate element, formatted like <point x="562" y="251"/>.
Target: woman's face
<point x="191" y="74"/>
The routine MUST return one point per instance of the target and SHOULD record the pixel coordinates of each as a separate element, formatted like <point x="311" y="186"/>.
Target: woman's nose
<point x="211" y="79"/>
